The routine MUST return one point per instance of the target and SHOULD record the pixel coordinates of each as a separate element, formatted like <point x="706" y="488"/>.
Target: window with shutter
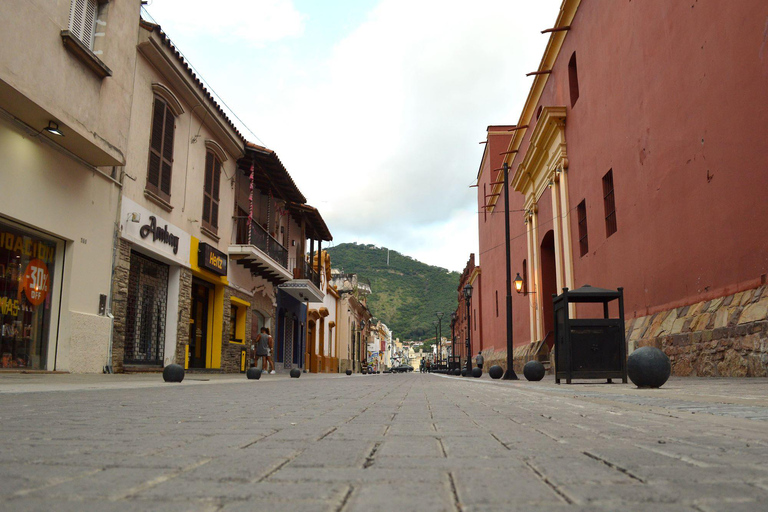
<point x="211" y="192"/>
<point x="82" y="20"/>
<point x="161" y="150"/>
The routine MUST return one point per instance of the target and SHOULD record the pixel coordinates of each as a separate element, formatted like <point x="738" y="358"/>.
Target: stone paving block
<point x="269" y="504"/>
<point x="333" y="453"/>
<point x="371" y="474"/>
<point x="423" y="447"/>
<point x="495" y="488"/>
<point x="194" y="490"/>
<point x="385" y="498"/>
<point x="60" y="505"/>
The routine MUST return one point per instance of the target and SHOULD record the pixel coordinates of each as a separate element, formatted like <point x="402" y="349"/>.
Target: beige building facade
<point x="65" y="104"/>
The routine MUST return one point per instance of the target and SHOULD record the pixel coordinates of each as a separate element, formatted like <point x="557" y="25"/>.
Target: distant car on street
<point x="403" y="368"/>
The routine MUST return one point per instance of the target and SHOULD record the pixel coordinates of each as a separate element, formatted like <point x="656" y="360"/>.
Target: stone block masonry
<point x="723" y="337"/>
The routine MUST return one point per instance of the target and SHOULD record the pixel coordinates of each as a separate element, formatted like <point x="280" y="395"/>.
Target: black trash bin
<point x="589" y="348"/>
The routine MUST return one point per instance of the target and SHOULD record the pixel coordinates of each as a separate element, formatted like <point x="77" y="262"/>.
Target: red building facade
<point x="639" y="161"/>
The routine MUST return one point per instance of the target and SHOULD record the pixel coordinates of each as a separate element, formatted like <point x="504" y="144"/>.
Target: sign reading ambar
<point x="212" y="259"/>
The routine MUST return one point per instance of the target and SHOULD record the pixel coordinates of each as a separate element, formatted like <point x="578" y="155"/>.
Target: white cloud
<point x="254" y="22"/>
<point x="381" y="130"/>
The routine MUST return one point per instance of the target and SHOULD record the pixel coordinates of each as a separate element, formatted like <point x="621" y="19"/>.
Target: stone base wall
<point x="185" y="308"/>
<point x="119" y="305"/>
<point x="723" y="337"/>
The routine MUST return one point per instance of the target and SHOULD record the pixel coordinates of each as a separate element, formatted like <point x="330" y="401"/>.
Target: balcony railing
<point x="252" y="233"/>
<point x="303" y="270"/>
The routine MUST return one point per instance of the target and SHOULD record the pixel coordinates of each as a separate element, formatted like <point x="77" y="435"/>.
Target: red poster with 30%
<point x="36" y="281"/>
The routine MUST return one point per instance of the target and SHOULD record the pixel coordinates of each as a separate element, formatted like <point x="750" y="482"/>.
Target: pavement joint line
<point x="278" y="467"/>
<point x="56" y="481"/>
<point x="502" y="443"/>
<point x="327" y="433"/>
<point x="614" y="466"/>
<point x="456" y="502"/>
<point x="345" y="499"/>
<point x="132" y="492"/>
<point x="559" y="492"/>
<point x="682" y="458"/>
<point x="369" y="460"/>
<point x="442" y="447"/>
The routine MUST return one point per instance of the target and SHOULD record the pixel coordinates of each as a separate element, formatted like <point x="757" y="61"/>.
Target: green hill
<point x="405" y="294"/>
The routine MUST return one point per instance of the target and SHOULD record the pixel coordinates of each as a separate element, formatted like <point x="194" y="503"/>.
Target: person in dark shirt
<point x="479" y="360"/>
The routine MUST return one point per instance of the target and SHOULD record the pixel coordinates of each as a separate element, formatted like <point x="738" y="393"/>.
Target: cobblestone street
<point x="381" y="442"/>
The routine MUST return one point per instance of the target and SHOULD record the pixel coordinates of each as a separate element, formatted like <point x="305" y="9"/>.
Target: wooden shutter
<point x="82" y="20"/>
<point x="161" y="150"/>
<point x="211" y="191"/>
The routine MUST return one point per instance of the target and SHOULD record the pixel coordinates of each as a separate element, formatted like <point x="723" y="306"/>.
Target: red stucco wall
<point x="674" y="99"/>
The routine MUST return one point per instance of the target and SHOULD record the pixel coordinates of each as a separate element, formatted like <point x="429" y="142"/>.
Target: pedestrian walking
<point x="421" y="365"/>
<point x="479" y="360"/>
<point x="270" y="349"/>
<point x="262" y="350"/>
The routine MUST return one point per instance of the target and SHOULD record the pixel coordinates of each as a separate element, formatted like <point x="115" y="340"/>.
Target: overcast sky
<point x="375" y="107"/>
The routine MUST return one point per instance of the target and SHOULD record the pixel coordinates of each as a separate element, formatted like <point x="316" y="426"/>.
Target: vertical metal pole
<point x="469" y="338"/>
<point x="510" y="373"/>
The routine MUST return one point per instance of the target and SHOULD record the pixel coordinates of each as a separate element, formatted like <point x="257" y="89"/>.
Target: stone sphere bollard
<point x="477" y="372"/>
<point x="253" y="373"/>
<point x="295" y="373"/>
<point x="534" y="370"/>
<point x="349" y="372"/>
<point x="173" y="373"/>
<point x="648" y="367"/>
<point x="496" y="371"/>
<point x="464" y="372"/>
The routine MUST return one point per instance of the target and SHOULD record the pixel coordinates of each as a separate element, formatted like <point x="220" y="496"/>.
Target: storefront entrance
<point x="145" y="311"/>
<point x="202" y="293"/>
<point x="27" y="275"/>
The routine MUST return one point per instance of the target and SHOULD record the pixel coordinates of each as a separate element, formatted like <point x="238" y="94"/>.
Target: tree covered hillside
<point x="406" y="294"/>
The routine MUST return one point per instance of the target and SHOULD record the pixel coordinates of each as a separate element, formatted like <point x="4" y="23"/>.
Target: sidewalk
<point x="381" y="442"/>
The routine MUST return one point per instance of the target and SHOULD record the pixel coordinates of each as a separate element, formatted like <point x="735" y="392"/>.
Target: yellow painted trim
<point x="215" y="327"/>
<point x="239" y="301"/>
<point x="186" y="357"/>
<point x="194" y="247"/>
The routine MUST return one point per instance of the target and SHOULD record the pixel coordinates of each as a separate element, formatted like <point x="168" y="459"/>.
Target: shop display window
<point x="26" y="281"/>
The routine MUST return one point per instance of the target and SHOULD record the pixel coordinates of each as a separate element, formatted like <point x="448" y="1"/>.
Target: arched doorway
<point x="548" y="285"/>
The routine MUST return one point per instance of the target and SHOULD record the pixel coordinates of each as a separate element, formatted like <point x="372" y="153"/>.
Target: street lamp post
<point x="439" y="338"/>
<point x="453" y="336"/>
<point x="510" y="373"/>
<point x="467" y="296"/>
<point x="437" y="354"/>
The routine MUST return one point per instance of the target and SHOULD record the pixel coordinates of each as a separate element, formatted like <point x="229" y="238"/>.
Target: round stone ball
<point x="477" y="372"/>
<point x="253" y="373"/>
<point x="173" y="373"/>
<point x="496" y="371"/>
<point x="295" y="373"/>
<point x="648" y="367"/>
<point x="534" y="370"/>
<point x="349" y="372"/>
<point x="464" y="372"/>
<point x="364" y="371"/>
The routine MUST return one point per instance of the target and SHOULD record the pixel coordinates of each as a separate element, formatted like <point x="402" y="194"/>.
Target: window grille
<point x="582" y="216"/>
<point x="610" y="204"/>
